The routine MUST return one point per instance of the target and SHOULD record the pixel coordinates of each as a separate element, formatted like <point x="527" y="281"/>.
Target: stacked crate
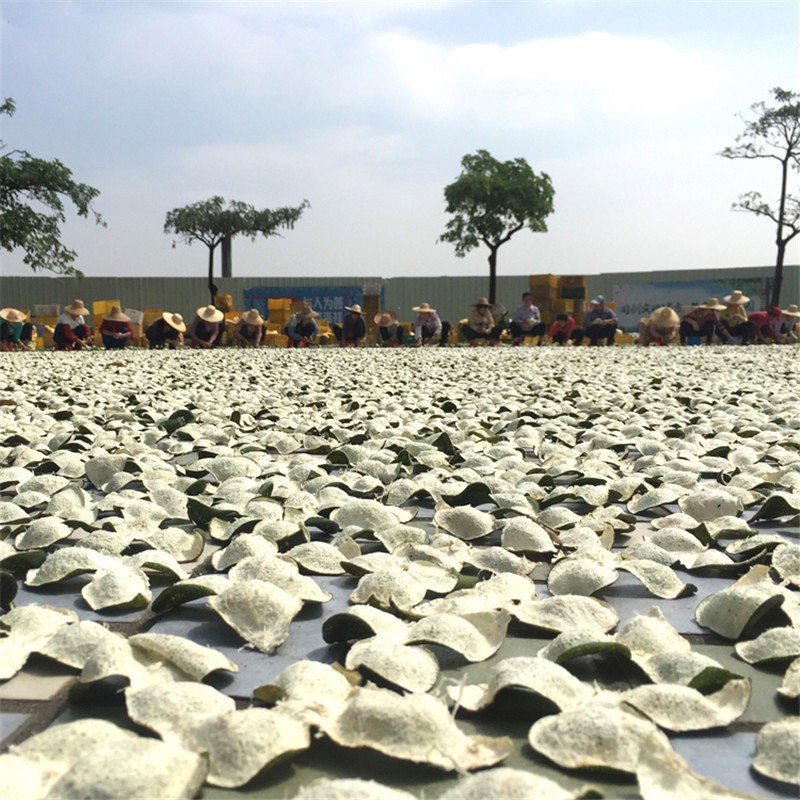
<point x="280" y="309"/>
<point x="371" y="307"/>
<point x="544" y="289"/>
<point x="559" y="294"/>
<point x="572" y="291"/>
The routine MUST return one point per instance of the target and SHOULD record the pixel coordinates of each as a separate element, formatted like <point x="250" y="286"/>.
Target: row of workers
<point x="728" y="322"/>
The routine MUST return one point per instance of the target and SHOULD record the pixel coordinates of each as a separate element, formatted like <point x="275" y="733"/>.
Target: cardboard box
<point x="572" y="292"/>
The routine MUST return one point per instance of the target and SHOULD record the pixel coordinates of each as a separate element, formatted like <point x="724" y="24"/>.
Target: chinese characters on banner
<point x="328" y="301"/>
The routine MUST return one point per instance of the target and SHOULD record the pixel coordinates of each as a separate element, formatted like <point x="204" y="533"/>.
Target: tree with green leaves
<point x="33" y="195"/>
<point x="492" y="200"/>
<point x="773" y="133"/>
<point x="212" y="221"/>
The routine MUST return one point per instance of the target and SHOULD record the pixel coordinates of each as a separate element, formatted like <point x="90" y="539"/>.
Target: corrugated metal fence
<point x="451" y="295"/>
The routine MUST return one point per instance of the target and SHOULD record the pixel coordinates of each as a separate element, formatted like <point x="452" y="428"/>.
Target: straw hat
<point x="384" y="318"/>
<point x="423" y="308"/>
<point x="12" y="315"/>
<point x="736" y="298"/>
<point x="209" y="314"/>
<point x="77" y="308"/>
<point x="664" y="317"/>
<point x="116" y="315"/>
<point x="174" y="321"/>
<point x="306" y="312"/>
<point x="712" y="304"/>
<point x="598" y="301"/>
<point x="482" y="301"/>
<point x="252" y="317"/>
<point x="355" y="308"/>
<point x="792" y="311"/>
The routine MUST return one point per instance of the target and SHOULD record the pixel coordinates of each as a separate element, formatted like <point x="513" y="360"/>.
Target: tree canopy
<point x="211" y="221"/>
<point x="773" y="133"/>
<point x="33" y="195"/>
<point x="492" y="200"/>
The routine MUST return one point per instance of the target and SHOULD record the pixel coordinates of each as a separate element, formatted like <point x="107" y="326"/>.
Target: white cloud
<point x="546" y="81"/>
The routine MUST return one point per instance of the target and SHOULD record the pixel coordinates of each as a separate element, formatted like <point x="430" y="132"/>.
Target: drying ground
<point x="242" y="573"/>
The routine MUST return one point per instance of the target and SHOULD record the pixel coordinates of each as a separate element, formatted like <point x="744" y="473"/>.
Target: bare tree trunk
<point x="777" y="280"/>
<point x="212" y="289"/>
<point x="492" y="275"/>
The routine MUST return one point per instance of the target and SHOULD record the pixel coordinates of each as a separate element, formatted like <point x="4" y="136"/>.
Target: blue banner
<point x="328" y="301"/>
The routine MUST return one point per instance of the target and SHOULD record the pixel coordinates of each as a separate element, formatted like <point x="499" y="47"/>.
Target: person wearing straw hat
<point x="166" y="331"/>
<point x="768" y="325"/>
<point x="599" y="322"/>
<point x="15" y="331"/>
<point x="389" y="332"/>
<point x="661" y="327"/>
<point x="205" y="328"/>
<point x="428" y="326"/>
<point x="249" y="329"/>
<point x="353" y="330"/>
<point x="734" y="317"/>
<point x="527" y="321"/>
<point x="71" y="331"/>
<point x="791" y="319"/>
<point x="116" y="329"/>
<point x="302" y="328"/>
<point x="702" y="321"/>
<point x="481" y="325"/>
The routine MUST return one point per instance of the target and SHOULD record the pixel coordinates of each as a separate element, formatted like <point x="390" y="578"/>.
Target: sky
<point x="365" y="109"/>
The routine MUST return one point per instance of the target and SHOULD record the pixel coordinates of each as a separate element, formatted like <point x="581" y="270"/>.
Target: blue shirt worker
<point x="527" y="321"/>
<point x="599" y="322"/>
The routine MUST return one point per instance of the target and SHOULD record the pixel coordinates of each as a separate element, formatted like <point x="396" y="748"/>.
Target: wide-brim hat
<point x="12" y="315"/>
<point x="598" y="301"/>
<point x="712" y="304"/>
<point x="355" y="308"/>
<point x="423" y="308"/>
<point x="210" y="314"/>
<point x="792" y="311"/>
<point x="77" y="308"/>
<point x="664" y="317"/>
<point x="306" y="312"/>
<point x="482" y="301"/>
<point x="116" y="315"/>
<point x="736" y="298"/>
<point x="384" y="318"/>
<point x="252" y="317"/>
<point x="174" y="321"/>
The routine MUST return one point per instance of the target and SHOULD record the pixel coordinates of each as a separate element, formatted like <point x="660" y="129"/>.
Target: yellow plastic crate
<point x="102" y="307"/>
<point x="562" y="306"/>
<point x="543" y="280"/>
